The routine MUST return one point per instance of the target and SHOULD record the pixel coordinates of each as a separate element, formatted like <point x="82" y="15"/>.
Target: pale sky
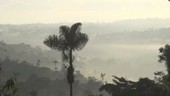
<point x="54" y="11"/>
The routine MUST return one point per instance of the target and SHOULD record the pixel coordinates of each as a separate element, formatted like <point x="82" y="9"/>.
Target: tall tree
<point x="164" y="56"/>
<point x="70" y="39"/>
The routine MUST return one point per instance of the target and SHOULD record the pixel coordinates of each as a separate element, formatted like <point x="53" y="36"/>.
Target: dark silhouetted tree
<point x="160" y="77"/>
<point x="165" y="57"/>
<point x="102" y="76"/>
<point x="69" y="40"/>
<point x="142" y="87"/>
<point x="10" y="87"/>
<point x="120" y="87"/>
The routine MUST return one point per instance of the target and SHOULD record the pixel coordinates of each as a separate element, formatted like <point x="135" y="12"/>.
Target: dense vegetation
<point x="160" y="86"/>
<point x="45" y="81"/>
<point x="33" y="80"/>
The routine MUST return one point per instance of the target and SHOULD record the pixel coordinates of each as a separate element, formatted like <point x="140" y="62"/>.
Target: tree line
<point x="160" y="86"/>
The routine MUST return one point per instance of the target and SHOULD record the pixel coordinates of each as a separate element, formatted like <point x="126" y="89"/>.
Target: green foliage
<point x="123" y="87"/>
<point x="10" y="87"/>
<point x="120" y="87"/>
<point x="46" y="81"/>
<point x="164" y="56"/>
<point x="144" y="86"/>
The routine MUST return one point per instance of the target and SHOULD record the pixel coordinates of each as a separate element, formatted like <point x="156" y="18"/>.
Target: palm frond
<point x="53" y="42"/>
<point x="75" y="28"/>
<point x="63" y="43"/>
<point x="80" y="41"/>
<point x="68" y="39"/>
<point x="64" y="31"/>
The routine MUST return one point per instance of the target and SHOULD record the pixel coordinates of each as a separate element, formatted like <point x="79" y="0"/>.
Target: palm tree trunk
<point x="71" y="59"/>
<point x="71" y="67"/>
<point x="71" y="90"/>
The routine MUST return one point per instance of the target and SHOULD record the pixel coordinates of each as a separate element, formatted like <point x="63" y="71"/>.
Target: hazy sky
<point x="53" y="11"/>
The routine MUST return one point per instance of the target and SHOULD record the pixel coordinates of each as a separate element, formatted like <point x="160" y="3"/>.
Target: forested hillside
<point x="33" y="78"/>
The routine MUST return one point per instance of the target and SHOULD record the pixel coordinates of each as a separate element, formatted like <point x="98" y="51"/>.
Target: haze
<point x="53" y="11"/>
<point x="125" y="35"/>
<point x="127" y="48"/>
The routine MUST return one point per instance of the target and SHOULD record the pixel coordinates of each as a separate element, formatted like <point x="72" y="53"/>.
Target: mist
<point x="114" y="49"/>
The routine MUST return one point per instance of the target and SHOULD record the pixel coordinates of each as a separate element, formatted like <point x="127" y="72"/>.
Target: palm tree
<point x="69" y="40"/>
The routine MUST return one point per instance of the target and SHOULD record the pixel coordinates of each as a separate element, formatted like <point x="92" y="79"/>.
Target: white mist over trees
<point x="119" y="45"/>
